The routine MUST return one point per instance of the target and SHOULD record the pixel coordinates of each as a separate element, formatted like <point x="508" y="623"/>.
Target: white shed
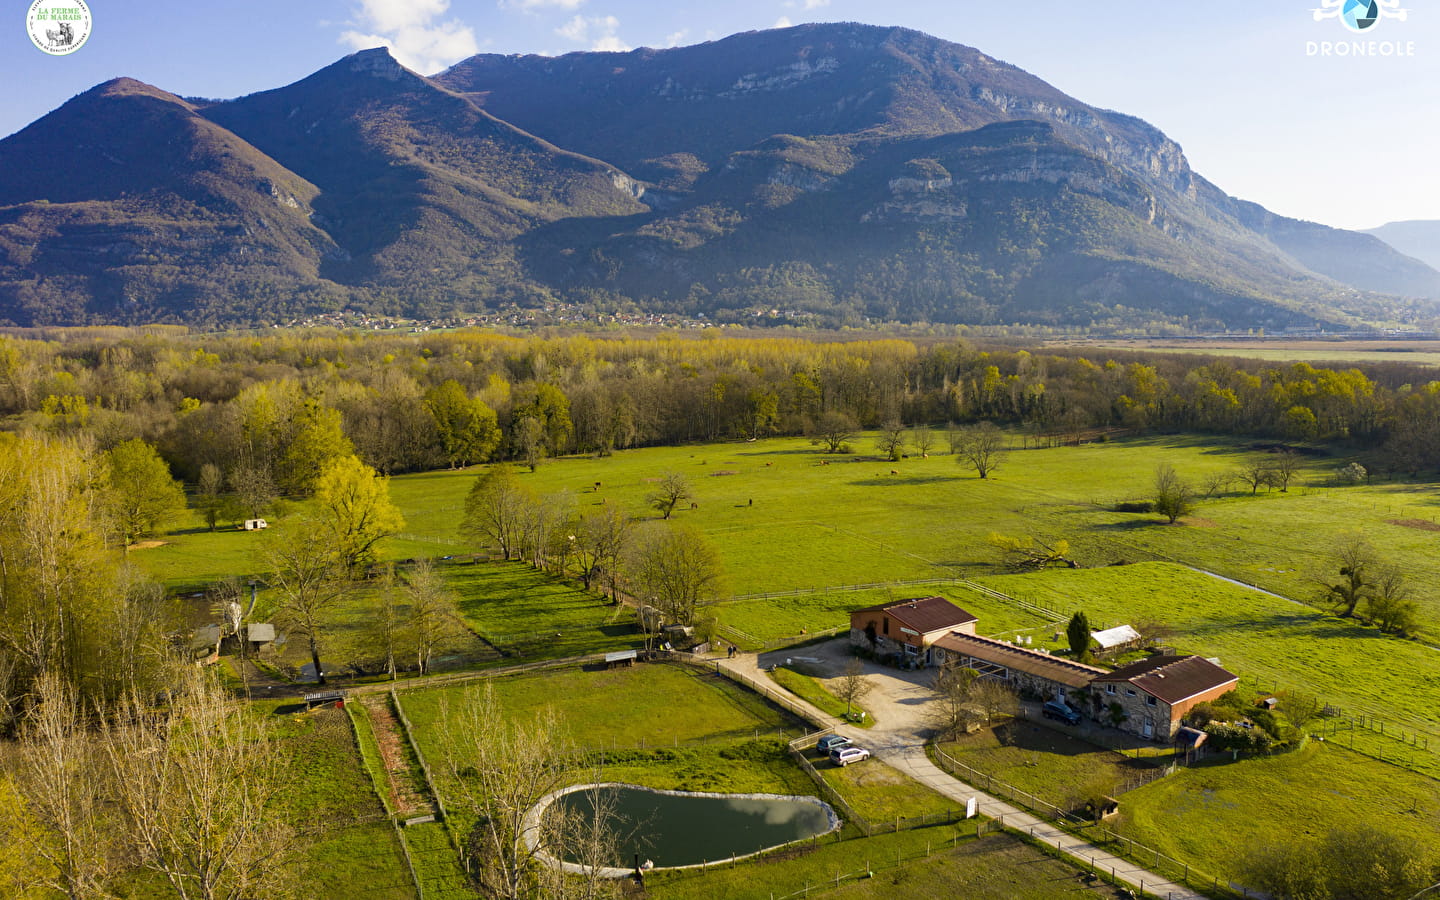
<point x="1119" y="636"/>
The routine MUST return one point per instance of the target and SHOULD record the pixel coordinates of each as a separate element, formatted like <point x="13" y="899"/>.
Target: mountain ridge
<point x="840" y="173"/>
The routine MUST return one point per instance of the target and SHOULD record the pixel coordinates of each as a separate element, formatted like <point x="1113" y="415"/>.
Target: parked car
<point x="830" y="742"/>
<point x="844" y="756"/>
<point x="1060" y="710"/>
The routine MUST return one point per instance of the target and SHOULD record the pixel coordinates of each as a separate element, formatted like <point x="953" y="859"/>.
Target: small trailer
<point x="255" y="524"/>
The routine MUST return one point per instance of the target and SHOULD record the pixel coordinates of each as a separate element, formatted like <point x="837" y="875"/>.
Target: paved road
<point x="898" y="701"/>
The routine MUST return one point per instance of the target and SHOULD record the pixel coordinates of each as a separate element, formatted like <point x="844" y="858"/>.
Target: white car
<point x="844" y="756"/>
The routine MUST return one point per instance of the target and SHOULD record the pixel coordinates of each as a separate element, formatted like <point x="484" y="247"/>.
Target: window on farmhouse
<point x="1109" y="688"/>
<point x="1149" y="701"/>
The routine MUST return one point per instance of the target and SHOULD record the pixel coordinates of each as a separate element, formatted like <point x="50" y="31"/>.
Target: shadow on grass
<point x="1130" y="525"/>
<point x="899" y="480"/>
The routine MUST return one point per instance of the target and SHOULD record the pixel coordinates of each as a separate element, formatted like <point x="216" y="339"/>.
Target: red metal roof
<point x="1172" y="678"/>
<point x="923" y="614"/>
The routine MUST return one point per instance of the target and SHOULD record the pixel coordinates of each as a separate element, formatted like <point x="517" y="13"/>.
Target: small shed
<point x="621" y="658"/>
<point x="1116" y="638"/>
<point x="259" y="634"/>
<point x="1190" y="738"/>
<point x="205" y="641"/>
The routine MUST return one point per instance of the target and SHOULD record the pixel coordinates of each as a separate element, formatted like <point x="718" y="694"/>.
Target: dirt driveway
<point x="898" y="699"/>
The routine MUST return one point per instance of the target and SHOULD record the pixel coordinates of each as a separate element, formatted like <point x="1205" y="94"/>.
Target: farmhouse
<point x="1150" y="697"/>
<point x="909" y="627"/>
<point x="1030" y="672"/>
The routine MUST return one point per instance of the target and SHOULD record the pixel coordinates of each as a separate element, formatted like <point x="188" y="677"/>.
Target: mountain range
<point x="1417" y="239"/>
<point x="828" y="174"/>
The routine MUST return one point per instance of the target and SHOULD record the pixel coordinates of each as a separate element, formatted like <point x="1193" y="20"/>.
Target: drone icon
<point x="1360" y="15"/>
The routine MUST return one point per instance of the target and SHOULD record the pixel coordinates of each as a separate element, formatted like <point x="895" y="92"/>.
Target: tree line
<point x="265" y="412"/>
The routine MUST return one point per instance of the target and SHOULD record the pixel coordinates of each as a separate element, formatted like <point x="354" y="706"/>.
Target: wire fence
<point x="1092" y="831"/>
<point x="886" y="863"/>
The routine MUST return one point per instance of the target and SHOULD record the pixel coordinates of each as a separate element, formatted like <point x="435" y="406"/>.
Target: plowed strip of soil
<point x="407" y="792"/>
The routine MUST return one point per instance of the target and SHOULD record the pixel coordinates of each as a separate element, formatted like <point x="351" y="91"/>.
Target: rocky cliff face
<point x="841" y="172"/>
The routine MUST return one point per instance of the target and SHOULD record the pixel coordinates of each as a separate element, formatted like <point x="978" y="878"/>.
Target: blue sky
<point x="1348" y="141"/>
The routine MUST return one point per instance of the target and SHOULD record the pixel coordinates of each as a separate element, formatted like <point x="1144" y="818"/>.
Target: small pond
<point x="672" y="828"/>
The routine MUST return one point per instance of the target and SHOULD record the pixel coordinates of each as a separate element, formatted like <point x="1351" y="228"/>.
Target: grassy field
<point x="882" y="794"/>
<point x="768" y="618"/>
<point x="911" y="865"/>
<point x="786" y="517"/>
<point x="1061" y="770"/>
<point x="528" y="614"/>
<point x="1212" y="815"/>
<point x="354" y="852"/>
<point x="1420" y="353"/>
<point x="817" y="695"/>
<point x="645" y="708"/>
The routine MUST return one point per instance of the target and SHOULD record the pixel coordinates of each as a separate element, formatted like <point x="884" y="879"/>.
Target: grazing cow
<point x="694" y="506"/>
<point x="894" y="471"/>
<point x="597" y="485"/>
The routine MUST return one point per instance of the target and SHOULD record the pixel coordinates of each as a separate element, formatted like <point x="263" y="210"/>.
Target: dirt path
<point x="408" y="795"/>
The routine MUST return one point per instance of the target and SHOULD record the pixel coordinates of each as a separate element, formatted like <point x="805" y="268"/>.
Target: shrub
<point x="1134" y="506"/>
<point x="1232" y="736"/>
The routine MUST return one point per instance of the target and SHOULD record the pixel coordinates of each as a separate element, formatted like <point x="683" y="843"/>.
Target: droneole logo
<point x="58" y="27"/>
<point x="1360" y="16"/>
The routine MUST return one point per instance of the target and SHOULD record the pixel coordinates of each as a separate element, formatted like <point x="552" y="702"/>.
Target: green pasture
<point x="768" y="618"/>
<point x="1212" y="815"/>
<point x="1044" y="762"/>
<point x="352" y="850"/>
<point x="882" y="794"/>
<point x="644" y="708"/>
<point x="786" y="517"/>
<point x="1334" y="354"/>
<point x="526" y="613"/>
<point x="912" y="865"/>
<point x="815" y="693"/>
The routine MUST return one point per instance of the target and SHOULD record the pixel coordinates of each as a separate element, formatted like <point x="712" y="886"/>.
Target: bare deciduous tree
<point x="891" y="440"/>
<point x="1284" y="468"/>
<point x="979" y="447"/>
<point x="676" y="569"/>
<point x="672" y="488"/>
<point x="951" y="712"/>
<point x="61" y="810"/>
<point x="993" y="699"/>
<point x="1173" y="495"/>
<point x="834" y="431"/>
<point x="853" y="686"/>
<point x="432" y="616"/>
<point x="310" y="580"/>
<point x="601" y="537"/>
<point x="197" y="784"/>
<point x="923" y="440"/>
<point x="1354" y="560"/>
<point x="495" y="510"/>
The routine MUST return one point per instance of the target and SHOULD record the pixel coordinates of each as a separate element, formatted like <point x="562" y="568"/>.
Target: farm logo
<point x="58" y="27"/>
<point x="1360" y="16"/>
